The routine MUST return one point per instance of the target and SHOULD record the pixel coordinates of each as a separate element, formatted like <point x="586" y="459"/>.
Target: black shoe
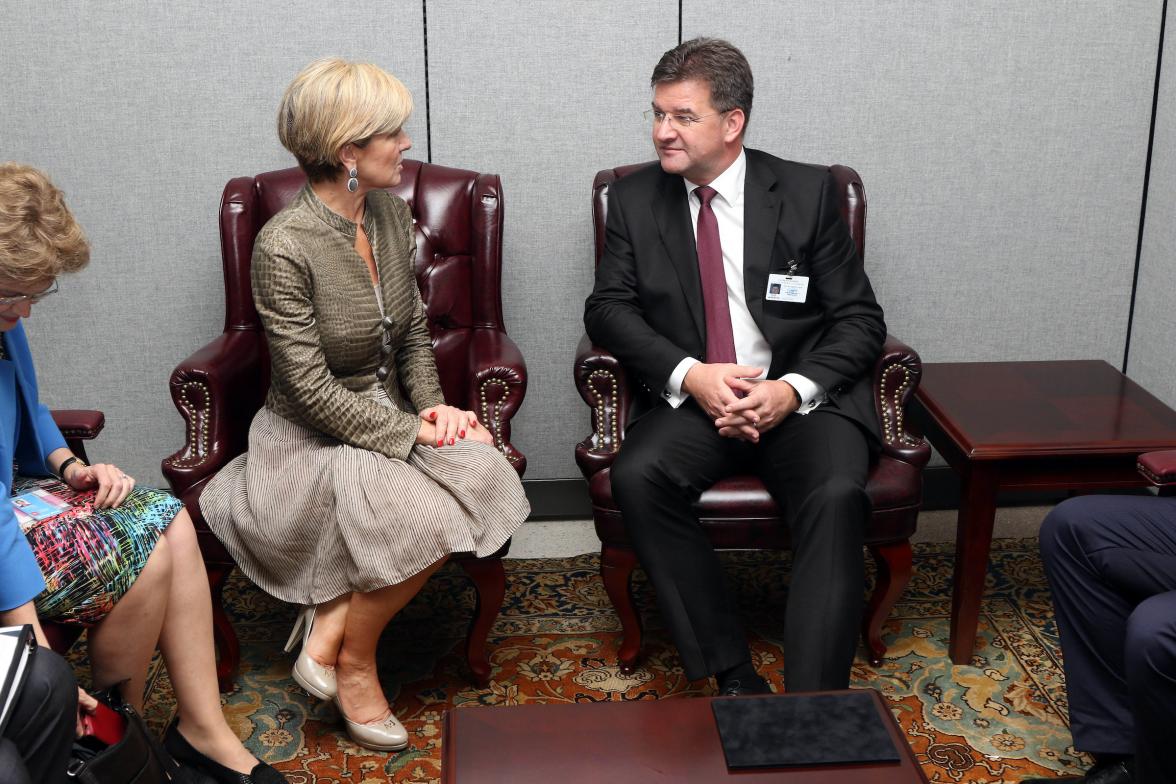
<point x="183" y="753"/>
<point x="742" y="687"/>
<point x="1121" y="771"/>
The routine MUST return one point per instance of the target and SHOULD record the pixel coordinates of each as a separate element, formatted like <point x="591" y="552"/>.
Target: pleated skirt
<point x="309" y="518"/>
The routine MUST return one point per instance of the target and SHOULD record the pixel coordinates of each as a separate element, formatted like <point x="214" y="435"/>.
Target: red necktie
<point x="720" y="339"/>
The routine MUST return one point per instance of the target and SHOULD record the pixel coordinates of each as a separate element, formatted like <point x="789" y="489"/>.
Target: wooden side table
<point x="1065" y="425"/>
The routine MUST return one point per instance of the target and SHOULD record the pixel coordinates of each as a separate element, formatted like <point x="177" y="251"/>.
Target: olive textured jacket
<point x="330" y="348"/>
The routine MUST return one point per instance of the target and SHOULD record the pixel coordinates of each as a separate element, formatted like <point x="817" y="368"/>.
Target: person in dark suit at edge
<point x="1111" y="564"/>
<point x="735" y="375"/>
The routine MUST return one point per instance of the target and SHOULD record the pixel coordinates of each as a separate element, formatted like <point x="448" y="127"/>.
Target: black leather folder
<point x="803" y="729"/>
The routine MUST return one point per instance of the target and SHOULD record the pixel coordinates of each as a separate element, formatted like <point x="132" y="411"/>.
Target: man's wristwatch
<point x="67" y="463"/>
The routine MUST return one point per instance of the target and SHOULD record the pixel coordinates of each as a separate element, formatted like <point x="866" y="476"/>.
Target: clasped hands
<point x="741" y="405"/>
<point x="446" y="425"/>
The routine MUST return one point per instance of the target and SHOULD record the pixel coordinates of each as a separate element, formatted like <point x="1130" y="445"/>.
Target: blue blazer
<point x="27" y="435"/>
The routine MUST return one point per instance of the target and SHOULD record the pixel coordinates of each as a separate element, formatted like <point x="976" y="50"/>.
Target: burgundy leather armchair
<point x="737" y="512"/>
<point x="458" y="219"/>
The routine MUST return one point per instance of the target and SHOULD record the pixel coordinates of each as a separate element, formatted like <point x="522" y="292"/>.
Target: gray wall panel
<point x="141" y="112"/>
<point x="545" y="95"/>
<point x="1152" y="361"/>
<point x="1002" y="145"/>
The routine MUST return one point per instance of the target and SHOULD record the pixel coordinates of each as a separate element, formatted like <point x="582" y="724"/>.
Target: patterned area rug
<point x="1001" y="719"/>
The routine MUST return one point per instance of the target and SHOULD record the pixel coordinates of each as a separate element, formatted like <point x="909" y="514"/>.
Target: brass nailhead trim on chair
<point x="604" y="417"/>
<point x="197" y="424"/>
<point x="892" y="411"/>
<point x="492" y="422"/>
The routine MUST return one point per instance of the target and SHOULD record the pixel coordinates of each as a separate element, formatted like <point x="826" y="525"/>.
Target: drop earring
<point x="353" y="181"/>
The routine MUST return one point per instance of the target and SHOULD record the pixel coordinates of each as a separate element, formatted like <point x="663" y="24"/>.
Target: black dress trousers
<point x="815" y="467"/>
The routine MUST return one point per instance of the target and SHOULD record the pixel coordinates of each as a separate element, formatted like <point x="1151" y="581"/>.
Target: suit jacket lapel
<point x="761" y="218"/>
<point x="672" y="214"/>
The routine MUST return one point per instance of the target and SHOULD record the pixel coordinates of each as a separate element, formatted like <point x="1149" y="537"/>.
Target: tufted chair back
<point x="849" y="186"/>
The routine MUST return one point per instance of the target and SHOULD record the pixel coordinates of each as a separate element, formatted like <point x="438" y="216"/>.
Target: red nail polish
<point x="462" y="434"/>
<point x="440" y="441"/>
<point x="433" y="415"/>
<point x="451" y="442"/>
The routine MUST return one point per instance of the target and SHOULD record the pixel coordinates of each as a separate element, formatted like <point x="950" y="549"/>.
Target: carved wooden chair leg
<point x="224" y="636"/>
<point x="490" y="586"/>
<point x="616" y="570"/>
<point x="893" y="561"/>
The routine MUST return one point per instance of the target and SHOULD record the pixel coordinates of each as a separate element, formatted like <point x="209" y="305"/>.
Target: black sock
<point x="743" y="672"/>
<point x="1105" y="760"/>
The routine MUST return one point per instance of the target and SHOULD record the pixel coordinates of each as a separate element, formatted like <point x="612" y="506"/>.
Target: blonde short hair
<point x="333" y="102"/>
<point x="39" y="238"/>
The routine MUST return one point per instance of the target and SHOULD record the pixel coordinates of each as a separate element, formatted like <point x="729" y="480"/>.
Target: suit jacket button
<point x="387" y="322"/>
<point x="382" y="373"/>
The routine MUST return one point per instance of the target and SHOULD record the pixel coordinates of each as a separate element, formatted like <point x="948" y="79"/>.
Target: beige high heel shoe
<point x="317" y="679"/>
<point x="386" y="734"/>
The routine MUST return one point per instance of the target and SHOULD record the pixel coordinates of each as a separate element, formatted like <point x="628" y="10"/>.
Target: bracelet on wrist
<point x="66" y="463"/>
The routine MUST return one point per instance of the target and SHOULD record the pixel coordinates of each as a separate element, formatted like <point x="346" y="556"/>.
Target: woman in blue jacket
<point x="80" y="543"/>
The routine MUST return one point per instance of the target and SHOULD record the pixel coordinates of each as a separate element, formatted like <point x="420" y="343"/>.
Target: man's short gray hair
<point x="713" y="61"/>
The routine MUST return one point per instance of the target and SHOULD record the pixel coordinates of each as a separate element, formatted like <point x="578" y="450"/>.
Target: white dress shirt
<point x="751" y="348"/>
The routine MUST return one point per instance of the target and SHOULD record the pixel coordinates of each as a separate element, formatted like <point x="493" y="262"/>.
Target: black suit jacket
<point x="646" y="307"/>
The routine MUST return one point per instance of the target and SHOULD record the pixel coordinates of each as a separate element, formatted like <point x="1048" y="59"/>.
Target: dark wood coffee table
<point x="672" y="740"/>
<point x="1076" y="425"/>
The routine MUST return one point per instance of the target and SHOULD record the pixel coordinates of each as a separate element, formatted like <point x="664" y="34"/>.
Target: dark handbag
<point x="117" y="747"/>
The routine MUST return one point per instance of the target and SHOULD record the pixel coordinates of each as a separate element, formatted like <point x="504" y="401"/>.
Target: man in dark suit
<point x="1111" y="563"/>
<point x="737" y="375"/>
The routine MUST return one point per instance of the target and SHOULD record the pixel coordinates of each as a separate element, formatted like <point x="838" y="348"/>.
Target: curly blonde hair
<point x="39" y="238"/>
<point x="333" y="102"/>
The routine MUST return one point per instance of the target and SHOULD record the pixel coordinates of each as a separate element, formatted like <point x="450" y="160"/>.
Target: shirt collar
<point x="729" y="184"/>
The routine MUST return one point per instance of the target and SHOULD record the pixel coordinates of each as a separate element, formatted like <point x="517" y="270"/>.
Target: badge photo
<point x="787" y="288"/>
